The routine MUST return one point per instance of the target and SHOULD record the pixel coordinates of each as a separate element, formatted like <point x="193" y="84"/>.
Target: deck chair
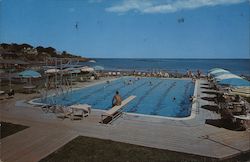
<point x="115" y="111"/>
<point x="64" y="113"/>
<point x="79" y="111"/>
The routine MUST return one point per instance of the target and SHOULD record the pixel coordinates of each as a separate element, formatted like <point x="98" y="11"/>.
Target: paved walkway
<point x="48" y="133"/>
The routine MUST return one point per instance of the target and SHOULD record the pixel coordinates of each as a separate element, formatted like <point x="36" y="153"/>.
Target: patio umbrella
<point x="29" y="74"/>
<point x="87" y="69"/>
<point x="51" y="71"/>
<point x="226" y="76"/>
<point x="235" y="82"/>
<point x="72" y="70"/>
<point x="98" y="68"/>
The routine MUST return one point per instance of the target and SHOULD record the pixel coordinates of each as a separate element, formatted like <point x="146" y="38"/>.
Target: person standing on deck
<point x="117" y="100"/>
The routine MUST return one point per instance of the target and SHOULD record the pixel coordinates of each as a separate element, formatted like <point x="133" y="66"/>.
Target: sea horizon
<point x="180" y="65"/>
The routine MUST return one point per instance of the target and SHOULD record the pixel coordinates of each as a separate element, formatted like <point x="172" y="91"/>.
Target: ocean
<point x="236" y="66"/>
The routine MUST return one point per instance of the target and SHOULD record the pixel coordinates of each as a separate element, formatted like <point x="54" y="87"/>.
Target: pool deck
<point x="47" y="133"/>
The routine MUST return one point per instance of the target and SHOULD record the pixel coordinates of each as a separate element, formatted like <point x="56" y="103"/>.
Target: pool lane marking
<point x="108" y="94"/>
<point x="184" y="97"/>
<point x="133" y="89"/>
<point x="162" y="98"/>
<point x="134" y="108"/>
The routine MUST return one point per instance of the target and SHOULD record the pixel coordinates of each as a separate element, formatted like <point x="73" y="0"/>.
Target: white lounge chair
<point x="115" y="111"/>
<point x="79" y="111"/>
<point x="75" y="112"/>
<point x="64" y="112"/>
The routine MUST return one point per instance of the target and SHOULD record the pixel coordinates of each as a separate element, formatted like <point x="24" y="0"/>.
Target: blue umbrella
<point x="235" y="82"/>
<point x="29" y="74"/>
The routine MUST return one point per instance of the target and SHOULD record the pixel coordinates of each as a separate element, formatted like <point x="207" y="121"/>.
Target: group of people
<point x="190" y="74"/>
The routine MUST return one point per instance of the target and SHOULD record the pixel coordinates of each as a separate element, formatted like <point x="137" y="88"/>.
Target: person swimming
<point x="117" y="100"/>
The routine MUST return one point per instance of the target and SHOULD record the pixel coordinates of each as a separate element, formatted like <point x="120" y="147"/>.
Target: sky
<point x="131" y="28"/>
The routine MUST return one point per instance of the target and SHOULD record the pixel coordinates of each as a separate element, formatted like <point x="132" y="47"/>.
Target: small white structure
<point x="51" y="71"/>
<point x="87" y="69"/>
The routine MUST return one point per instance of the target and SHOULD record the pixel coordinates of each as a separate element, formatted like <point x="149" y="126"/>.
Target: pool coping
<point x="191" y="116"/>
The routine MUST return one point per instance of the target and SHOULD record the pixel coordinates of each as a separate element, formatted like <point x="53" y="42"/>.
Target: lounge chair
<point x="65" y="113"/>
<point x="79" y="111"/>
<point x="115" y="111"/>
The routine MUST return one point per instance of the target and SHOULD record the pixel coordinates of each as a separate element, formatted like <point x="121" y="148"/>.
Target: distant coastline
<point x="26" y="52"/>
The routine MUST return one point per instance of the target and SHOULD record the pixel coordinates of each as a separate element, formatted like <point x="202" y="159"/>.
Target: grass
<point x="8" y="129"/>
<point x="86" y="149"/>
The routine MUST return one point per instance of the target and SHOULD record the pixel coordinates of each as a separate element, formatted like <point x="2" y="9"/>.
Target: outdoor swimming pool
<point x="154" y="96"/>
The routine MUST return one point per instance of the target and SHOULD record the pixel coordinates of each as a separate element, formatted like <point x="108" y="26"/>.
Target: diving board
<point x="115" y="111"/>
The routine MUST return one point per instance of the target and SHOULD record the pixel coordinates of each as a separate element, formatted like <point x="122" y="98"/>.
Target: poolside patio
<point x="48" y="133"/>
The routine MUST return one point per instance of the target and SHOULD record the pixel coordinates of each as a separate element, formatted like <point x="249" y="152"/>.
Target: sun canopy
<point x="29" y="74"/>
<point x="218" y="71"/>
<point x="235" y="82"/>
<point x="226" y="76"/>
<point x="215" y="69"/>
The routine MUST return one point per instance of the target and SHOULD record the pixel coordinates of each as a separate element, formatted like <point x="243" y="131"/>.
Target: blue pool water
<point x="151" y="99"/>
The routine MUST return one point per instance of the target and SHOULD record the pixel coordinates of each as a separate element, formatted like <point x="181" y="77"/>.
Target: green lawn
<point x="86" y="149"/>
<point x="9" y="129"/>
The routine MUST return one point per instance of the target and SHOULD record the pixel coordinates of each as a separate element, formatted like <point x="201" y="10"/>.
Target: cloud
<point x="166" y="6"/>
